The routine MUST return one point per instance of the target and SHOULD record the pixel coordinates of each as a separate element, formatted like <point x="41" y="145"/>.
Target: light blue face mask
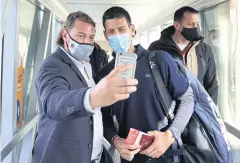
<point x="80" y="51"/>
<point x="119" y="43"/>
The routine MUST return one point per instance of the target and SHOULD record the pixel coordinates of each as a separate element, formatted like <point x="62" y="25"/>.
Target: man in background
<point x="183" y="41"/>
<point x="98" y="59"/>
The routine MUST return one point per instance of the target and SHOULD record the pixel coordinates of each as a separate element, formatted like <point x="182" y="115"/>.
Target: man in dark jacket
<point x="183" y="41"/>
<point x="98" y="59"/>
<point x="143" y="111"/>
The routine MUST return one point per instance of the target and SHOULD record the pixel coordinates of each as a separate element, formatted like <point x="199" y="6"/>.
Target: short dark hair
<point x="116" y="12"/>
<point x="179" y="14"/>
<point x="69" y="23"/>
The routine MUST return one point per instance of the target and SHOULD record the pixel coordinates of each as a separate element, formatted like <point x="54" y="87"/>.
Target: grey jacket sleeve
<point x="55" y="98"/>
<point x="184" y="111"/>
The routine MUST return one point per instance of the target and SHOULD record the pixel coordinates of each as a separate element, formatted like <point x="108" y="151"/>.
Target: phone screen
<point x="127" y="58"/>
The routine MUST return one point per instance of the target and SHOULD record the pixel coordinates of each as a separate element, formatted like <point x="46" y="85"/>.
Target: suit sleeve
<point x="210" y="79"/>
<point x="56" y="100"/>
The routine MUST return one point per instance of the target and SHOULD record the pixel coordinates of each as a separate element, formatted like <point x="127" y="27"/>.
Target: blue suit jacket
<point x="65" y="128"/>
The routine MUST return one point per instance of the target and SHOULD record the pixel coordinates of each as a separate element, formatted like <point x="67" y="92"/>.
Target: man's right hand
<point x="112" y="88"/>
<point x="126" y="151"/>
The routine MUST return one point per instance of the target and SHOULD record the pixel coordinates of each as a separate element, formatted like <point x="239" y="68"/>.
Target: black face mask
<point x="191" y="34"/>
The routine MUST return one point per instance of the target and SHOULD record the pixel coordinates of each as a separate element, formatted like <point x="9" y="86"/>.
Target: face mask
<point x="79" y="51"/>
<point x="191" y="34"/>
<point x="119" y="43"/>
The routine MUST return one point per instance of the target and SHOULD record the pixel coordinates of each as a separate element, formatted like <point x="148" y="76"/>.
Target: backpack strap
<point x="162" y="92"/>
<point x="180" y="66"/>
<point x="165" y="100"/>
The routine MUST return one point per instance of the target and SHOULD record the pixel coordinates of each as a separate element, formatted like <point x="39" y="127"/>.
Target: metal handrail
<point x="232" y="130"/>
<point x="6" y="149"/>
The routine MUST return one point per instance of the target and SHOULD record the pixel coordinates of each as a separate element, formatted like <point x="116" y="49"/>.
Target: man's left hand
<point x="162" y="141"/>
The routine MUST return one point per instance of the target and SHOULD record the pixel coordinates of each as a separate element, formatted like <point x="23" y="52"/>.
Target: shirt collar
<point x="140" y="51"/>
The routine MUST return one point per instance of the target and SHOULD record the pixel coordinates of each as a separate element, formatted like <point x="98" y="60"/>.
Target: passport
<point x="138" y="137"/>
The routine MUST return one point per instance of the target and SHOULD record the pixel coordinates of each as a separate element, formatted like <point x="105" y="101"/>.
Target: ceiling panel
<point x="141" y="11"/>
<point x="133" y="2"/>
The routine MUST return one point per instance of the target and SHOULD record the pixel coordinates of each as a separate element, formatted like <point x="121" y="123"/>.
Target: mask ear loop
<point x="77" y="41"/>
<point x="68" y="41"/>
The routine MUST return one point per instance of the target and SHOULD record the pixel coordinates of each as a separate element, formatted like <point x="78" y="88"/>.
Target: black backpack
<point x="203" y="139"/>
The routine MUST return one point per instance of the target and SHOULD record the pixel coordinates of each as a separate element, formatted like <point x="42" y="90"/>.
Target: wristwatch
<point x="175" y="132"/>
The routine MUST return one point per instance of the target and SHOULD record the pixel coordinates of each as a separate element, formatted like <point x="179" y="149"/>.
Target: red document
<point x="138" y="137"/>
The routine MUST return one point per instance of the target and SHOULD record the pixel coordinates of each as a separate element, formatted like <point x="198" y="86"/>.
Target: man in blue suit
<point x="70" y="126"/>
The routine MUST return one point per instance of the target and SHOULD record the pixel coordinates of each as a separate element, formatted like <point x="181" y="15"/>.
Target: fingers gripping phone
<point x="127" y="58"/>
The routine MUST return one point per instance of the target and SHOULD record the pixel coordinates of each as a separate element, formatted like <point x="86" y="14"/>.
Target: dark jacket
<point x="142" y="110"/>
<point x="199" y="59"/>
<point x="65" y="128"/>
<point x="98" y="59"/>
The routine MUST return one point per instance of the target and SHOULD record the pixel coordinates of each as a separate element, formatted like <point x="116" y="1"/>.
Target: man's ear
<point x="132" y="30"/>
<point x="177" y="26"/>
<point x="105" y="34"/>
<point x="64" y="35"/>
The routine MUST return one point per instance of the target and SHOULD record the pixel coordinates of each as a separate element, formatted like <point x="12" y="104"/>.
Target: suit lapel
<point x="67" y="60"/>
<point x="74" y="68"/>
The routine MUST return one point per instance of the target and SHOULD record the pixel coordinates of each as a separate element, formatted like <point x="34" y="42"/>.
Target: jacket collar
<point x="65" y="58"/>
<point x="140" y="51"/>
<point x="166" y="36"/>
<point x="167" y="41"/>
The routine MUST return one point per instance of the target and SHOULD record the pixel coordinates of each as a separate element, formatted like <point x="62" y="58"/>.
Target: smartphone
<point x="127" y="58"/>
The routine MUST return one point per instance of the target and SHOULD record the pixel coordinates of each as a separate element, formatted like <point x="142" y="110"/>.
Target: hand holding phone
<point x="127" y="58"/>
